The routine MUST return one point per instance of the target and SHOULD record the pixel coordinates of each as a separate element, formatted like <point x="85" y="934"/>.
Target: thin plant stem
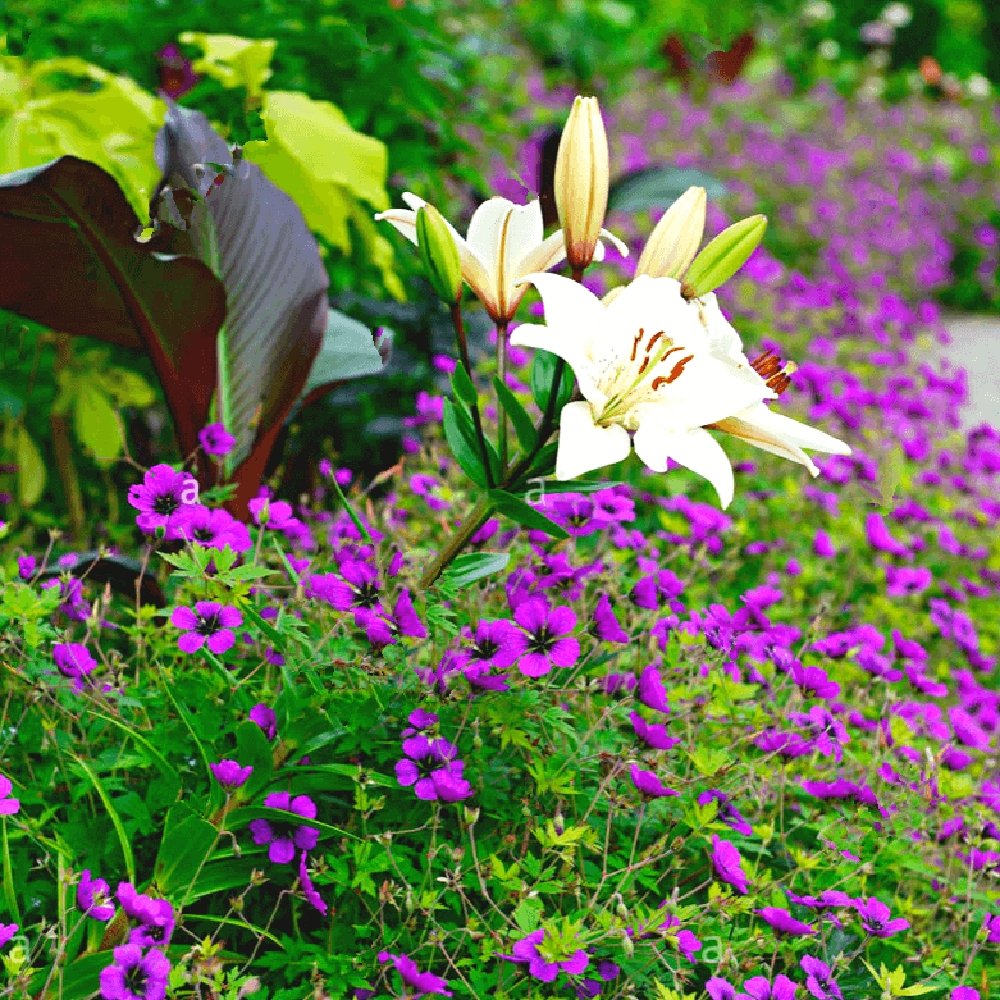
<point x="473" y="522"/>
<point x="477" y="420"/>
<point x="502" y="375"/>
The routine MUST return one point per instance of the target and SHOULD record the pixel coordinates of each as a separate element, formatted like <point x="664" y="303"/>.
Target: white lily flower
<point x="505" y="244"/>
<point x="655" y="370"/>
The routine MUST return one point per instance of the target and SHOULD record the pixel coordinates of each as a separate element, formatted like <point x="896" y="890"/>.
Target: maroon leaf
<point x="69" y="260"/>
<point x="222" y="209"/>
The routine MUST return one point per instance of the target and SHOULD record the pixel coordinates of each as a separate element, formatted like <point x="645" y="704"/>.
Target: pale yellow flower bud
<point x="675" y="240"/>
<point x="581" y="180"/>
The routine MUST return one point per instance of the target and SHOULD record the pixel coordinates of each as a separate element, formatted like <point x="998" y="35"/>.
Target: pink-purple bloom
<point x="135" y="975"/>
<point x="230" y="774"/>
<point x="216" y="440"/>
<point x="283" y="836"/>
<point x="93" y="897"/>
<point x="549" y="642"/>
<point x="161" y="499"/>
<point x="728" y="864"/>
<point x="545" y="970"/>
<point x="208" y="623"/>
<point x="417" y="983"/>
<point x="8" y="805"/>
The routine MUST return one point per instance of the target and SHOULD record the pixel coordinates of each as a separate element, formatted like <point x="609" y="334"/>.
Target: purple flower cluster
<point x="431" y="765"/>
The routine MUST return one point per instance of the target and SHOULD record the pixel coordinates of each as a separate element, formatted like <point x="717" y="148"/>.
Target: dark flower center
<point x="135" y="981"/>
<point x="165" y="503"/>
<point x="366" y="595"/>
<point x="207" y="624"/>
<point x="485" y="649"/>
<point x="204" y="535"/>
<point x="541" y="641"/>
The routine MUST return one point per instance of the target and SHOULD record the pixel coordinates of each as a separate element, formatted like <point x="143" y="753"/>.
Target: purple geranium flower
<point x="155" y="916"/>
<point x="264" y="717"/>
<point x="496" y="644"/>
<point x="720" y="989"/>
<point x="308" y="889"/>
<point x="214" y="529"/>
<point x="758" y="988"/>
<point x="274" y="514"/>
<point x="525" y="952"/>
<point x="875" y="918"/>
<point x="74" y="661"/>
<point x="209" y="622"/>
<point x="649" y="784"/>
<point x="605" y="625"/>
<point x="548" y="641"/>
<point x="216" y="440"/>
<point x="161" y="499"/>
<point x="93" y="897"/>
<point x="432" y="768"/>
<point x="283" y="836"/>
<point x="783" y="922"/>
<point x="8" y="806"/>
<point x="7" y="931"/>
<point x="230" y="774"/>
<point x="991" y="921"/>
<point x="727" y="863"/>
<point x="653" y="734"/>
<point x="819" y="979"/>
<point x="726" y="811"/>
<point x="134" y="975"/>
<point x="421" y="983"/>
<point x="651" y="690"/>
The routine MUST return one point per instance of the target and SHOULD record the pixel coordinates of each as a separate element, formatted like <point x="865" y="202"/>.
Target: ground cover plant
<point x="530" y="716"/>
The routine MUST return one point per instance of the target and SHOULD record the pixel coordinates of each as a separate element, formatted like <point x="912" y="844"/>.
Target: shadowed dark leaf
<point x="70" y="260"/>
<point x="222" y="209"/>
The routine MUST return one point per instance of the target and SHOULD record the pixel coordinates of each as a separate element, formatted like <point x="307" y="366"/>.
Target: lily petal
<point x="541" y="257"/>
<point x="561" y="341"/>
<point x="569" y="306"/>
<point x="583" y="446"/>
<point x="698" y="451"/>
<point x="781" y="435"/>
<point x="618" y="245"/>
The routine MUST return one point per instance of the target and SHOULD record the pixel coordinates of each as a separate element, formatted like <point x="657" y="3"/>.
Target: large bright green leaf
<point x="108" y="120"/>
<point x="233" y="61"/>
<point x="338" y="175"/>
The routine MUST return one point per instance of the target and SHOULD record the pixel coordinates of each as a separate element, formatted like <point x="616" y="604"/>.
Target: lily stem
<point x="477" y="420"/>
<point x="473" y="522"/>
<point x="502" y="375"/>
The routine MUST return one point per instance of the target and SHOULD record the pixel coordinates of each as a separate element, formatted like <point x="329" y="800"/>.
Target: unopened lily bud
<point x="581" y="180"/>
<point x="439" y="254"/>
<point x="675" y="240"/>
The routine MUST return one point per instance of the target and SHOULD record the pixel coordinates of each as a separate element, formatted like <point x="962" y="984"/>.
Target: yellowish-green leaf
<point x="128" y="388"/>
<point x="113" y="124"/>
<point x="96" y="423"/>
<point x="30" y="468"/>
<point x="337" y="174"/>
<point x="233" y="61"/>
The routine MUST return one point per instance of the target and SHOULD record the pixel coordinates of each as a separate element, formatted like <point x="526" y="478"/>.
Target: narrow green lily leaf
<point x="461" y="440"/>
<point x="462" y="386"/>
<point x="524" y="427"/>
<point x="124" y="841"/>
<point x="542" y="370"/>
<point x="725" y="255"/>
<point x="472" y="566"/>
<point x="524" y="514"/>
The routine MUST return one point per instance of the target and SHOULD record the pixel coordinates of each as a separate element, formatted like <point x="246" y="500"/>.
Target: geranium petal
<point x="583" y="446"/>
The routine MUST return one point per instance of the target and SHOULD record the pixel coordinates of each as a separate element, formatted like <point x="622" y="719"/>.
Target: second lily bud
<point x="672" y="245"/>
<point x="581" y="181"/>
<point x="439" y="254"/>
